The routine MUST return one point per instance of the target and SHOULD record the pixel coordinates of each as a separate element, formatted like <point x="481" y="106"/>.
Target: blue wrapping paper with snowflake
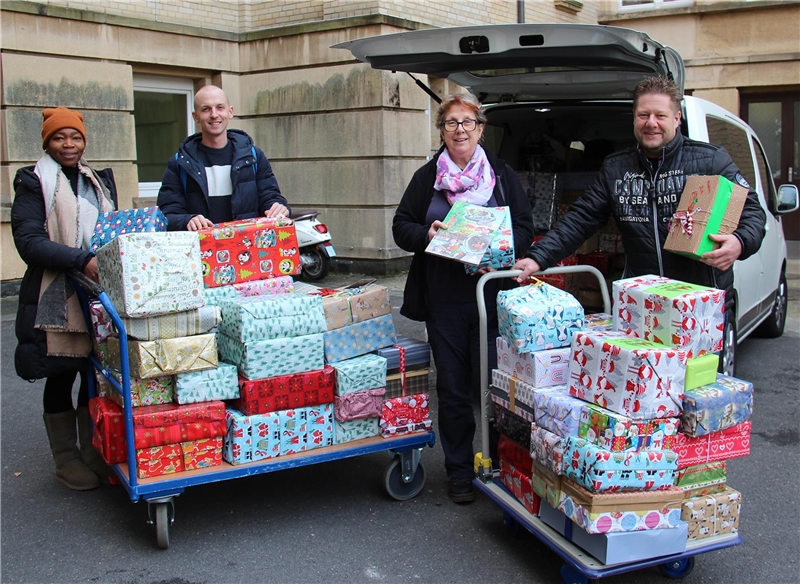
<point x="538" y="317"/>
<point x="500" y="253"/>
<point x="600" y="470"/>
<point x="112" y="224"/>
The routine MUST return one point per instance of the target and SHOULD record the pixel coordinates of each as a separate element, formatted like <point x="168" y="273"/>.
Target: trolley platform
<point x="579" y="566"/>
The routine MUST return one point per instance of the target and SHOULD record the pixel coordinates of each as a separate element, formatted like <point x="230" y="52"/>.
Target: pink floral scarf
<point x="474" y="184"/>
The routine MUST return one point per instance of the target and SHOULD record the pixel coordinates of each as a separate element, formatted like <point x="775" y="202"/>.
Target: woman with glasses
<point x="439" y="291"/>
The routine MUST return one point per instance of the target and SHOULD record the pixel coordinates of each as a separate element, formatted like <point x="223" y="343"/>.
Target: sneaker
<point x="460" y="490"/>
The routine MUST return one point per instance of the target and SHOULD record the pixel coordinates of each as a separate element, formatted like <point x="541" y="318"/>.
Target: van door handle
<point x="791" y="174"/>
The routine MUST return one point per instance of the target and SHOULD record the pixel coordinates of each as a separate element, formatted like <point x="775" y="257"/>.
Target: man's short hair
<point x="660" y="85"/>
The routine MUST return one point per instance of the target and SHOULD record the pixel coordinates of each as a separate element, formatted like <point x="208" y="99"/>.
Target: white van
<point x="550" y="88"/>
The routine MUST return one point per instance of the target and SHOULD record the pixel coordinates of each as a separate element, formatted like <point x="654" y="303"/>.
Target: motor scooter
<point x="314" y="242"/>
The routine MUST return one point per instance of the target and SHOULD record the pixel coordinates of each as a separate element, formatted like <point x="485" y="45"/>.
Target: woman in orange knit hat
<point x="56" y="205"/>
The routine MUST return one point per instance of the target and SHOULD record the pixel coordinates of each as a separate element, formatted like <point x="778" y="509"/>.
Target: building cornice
<point x="613" y="18"/>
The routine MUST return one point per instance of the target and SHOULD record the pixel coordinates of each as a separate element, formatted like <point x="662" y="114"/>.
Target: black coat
<point x="410" y="229"/>
<point x="253" y="194"/>
<point x="40" y="254"/>
<point x="642" y="201"/>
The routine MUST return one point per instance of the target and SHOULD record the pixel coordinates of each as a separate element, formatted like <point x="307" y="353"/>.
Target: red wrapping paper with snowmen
<point x="405" y="415"/>
<point x="638" y="378"/>
<point x="249" y="249"/>
<point x="671" y="313"/>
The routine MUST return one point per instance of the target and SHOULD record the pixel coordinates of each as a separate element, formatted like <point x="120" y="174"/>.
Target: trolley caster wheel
<point x="163" y="520"/>
<point x="571" y="576"/>
<point x="511" y="525"/>
<point x="396" y="487"/>
<point x="677" y="568"/>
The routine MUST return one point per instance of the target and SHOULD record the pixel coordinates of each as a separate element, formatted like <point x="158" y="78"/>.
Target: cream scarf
<point x="70" y="220"/>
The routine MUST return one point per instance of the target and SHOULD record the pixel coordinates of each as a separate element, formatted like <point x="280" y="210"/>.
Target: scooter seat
<point x="302" y="213"/>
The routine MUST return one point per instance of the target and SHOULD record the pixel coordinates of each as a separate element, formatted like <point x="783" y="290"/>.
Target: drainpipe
<point x="520" y="11"/>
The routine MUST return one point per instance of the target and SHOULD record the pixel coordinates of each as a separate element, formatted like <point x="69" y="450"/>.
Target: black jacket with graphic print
<point x="642" y="201"/>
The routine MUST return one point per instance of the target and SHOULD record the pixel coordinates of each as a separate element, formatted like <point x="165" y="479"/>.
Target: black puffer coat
<point x="40" y="254"/>
<point x="642" y="201"/>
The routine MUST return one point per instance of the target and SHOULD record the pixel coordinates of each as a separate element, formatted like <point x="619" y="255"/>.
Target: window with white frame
<point x="162" y="112"/>
<point x="652" y="4"/>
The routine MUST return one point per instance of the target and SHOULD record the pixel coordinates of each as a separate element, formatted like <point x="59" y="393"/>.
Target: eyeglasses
<point x="468" y="125"/>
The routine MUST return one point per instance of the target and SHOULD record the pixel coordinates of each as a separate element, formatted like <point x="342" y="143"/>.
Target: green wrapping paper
<point x="708" y="205"/>
<point x="702" y="479"/>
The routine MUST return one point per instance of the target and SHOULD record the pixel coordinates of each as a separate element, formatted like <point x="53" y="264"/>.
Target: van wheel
<point x="776" y="321"/>
<point x="727" y="357"/>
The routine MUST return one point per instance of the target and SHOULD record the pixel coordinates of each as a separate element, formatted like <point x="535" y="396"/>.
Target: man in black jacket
<point x="641" y="188"/>
<point x="218" y="174"/>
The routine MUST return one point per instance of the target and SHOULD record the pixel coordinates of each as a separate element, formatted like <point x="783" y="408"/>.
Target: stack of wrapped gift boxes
<point x="154" y="280"/>
<point x="628" y="425"/>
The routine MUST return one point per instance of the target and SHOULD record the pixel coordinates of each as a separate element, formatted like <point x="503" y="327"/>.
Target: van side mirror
<point x="788" y="198"/>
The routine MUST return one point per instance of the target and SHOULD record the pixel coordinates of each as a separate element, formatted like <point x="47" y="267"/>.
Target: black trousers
<point x="453" y="334"/>
<point x="57" y="396"/>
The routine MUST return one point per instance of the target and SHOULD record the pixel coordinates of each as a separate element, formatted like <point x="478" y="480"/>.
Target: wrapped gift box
<point x="275" y="357"/>
<point x="515" y="454"/>
<point x="359" y="338"/>
<point x="208" y="385"/>
<point x="670" y="312"/>
<point x="599" y="321"/>
<point x="249" y="249"/>
<point x="406" y="354"/>
<point x="112" y="224"/>
<point x="708" y="205"/>
<point x="540" y="369"/>
<point x="519" y="484"/>
<point x="320" y="426"/>
<point x="732" y="442"/>
<point x="518" y="407"/>
<point x="702" y="479"/>
<point x="701" y="371"/>
<point x="155" y="461"/>
<point x="510" y="424"/>
<point x="610" y="243"/>
<point x="613" y="512"/>
<point x="405" y="415"/>
<point x="566" y="282"/>
<point x="293" y="430"/>
<point x="102" y="327"/>
<point x="546" y="484"/>
<point x="277" y="285"/>
<point x="467" y="233"/>
<point x="144" y="392"/>
<point x="251" y="438"/>
<point x="618" y="547"/>
<point x="518" y="394"/>
<point x="612" y="431"/>
<point x="148" y="359"/>
<point x="367" y="403"/>
<point x="717" y="406"/>
<point x="543" y="195"/>
<point x="355" y="304"/>
<point x="355" y="429"/>
<point x="537" y="317"/>
<point x="146" y="274"/>
<point x="557" y="411"/>
<point x="272" y="317"/>
<point x="547" y="449"/>
<point x="500" y="253"/>
<point x="203" y="453"/>
<point x="598" y="259"/>
<point x="109" y="430"/>
<point x="601" y="470"/>
<point x="409" y="383"/>
<point x="175" y="324"/>
<point x="638" y="378"/>
<point x="714" y="514"/>
<point x="283" y="392"/>
<point x="172" y="423"/>
<point x="360" y="373"/>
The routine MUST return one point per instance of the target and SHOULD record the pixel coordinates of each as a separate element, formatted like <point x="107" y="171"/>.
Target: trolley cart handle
<point x="88" y="284"/>
<point x="485" y="393"/>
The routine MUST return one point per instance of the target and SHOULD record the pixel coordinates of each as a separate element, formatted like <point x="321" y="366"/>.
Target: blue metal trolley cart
<point x="579" y="566"/>
<point x="403" y="478"/>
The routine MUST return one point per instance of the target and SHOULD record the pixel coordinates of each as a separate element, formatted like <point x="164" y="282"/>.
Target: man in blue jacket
<point x="218" y="174"/>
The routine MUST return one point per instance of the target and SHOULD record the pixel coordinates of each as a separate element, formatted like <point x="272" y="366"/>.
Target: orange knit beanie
<point x="58" y="118"/>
